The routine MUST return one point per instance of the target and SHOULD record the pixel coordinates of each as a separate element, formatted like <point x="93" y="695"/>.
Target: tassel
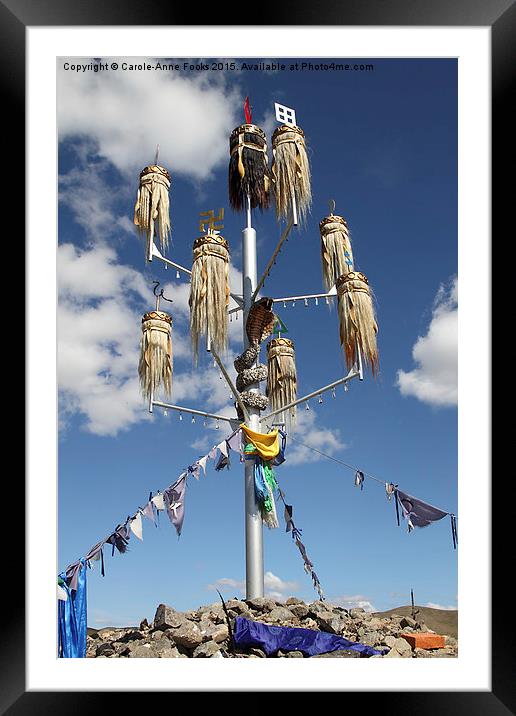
<point x="336" y="253"/>
<point x="282" y="377"/>
<point x="358" y="327"/>
<point x="151" y="211"/>
<point x="156" y="359"/>
<point x="291" y="172"/>
<point x="249" y="173"/>
<point x="209" y="292"/>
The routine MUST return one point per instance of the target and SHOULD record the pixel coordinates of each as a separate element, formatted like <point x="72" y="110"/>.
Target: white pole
<point x="253" y="520"/>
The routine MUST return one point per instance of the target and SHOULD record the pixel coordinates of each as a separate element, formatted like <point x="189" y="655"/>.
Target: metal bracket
<point x="331" y="294"/>
<point x="191" y="411"/>
<point x="353" y="373"/>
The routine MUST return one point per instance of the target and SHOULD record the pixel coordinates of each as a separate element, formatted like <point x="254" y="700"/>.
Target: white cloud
<point x="274" y="586"/>
<point x="434" y="380"/>
<point x="432" y="605"/>
<point x="277" y="588"/>
<point x="324" y="439"/>
<point x="99" y="317"/>
<point x="87" y="192"/>
<point x="355" y="600"/>
<point x="128" y="113"/>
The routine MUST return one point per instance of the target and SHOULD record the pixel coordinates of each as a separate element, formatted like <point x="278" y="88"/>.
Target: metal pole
<point x="253" y="521"/>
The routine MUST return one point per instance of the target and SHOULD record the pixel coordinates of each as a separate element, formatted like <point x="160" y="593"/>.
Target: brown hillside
<point x="442" y="621"/>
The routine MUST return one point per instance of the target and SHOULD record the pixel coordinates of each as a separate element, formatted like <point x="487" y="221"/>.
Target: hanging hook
<point x="331" y="204"/>
<point x="160" y="295"/>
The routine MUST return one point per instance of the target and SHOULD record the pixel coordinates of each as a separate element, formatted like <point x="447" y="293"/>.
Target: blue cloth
<point x="271" y="638"/>
<point x="72" y="618"/>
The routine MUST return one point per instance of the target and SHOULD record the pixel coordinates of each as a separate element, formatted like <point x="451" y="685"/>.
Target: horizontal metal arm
<point x="273" y="258"/>
<point x="154" y="251"/>
<point x="353" y="373"/>
<point x="202" y="413"/>
<point x="331" y="294"/>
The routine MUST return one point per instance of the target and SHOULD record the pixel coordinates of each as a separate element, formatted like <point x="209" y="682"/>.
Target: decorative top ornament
<point x="285" y="115"/>
<point x="214" y="223"/>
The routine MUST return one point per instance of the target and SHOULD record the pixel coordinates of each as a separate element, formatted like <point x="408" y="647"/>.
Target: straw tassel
<point x="156" y="358"/>
<point x="358" y="326"/>
<point x="209" y="292"/>
<point x="282" y="377"/>
<point x="249" y="173"/>
<point x="291" y="172"/>
<point x="152" y="208"/>
<point x="336" y="253"/>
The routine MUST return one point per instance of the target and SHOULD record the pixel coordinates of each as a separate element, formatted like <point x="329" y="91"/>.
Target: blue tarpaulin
<point x="270" y="638"/>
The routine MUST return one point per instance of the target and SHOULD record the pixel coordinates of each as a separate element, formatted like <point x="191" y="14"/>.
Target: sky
<point x="382" y="144"/>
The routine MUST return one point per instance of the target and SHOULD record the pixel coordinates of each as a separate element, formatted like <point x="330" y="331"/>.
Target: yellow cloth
<point x="266" y="444"/>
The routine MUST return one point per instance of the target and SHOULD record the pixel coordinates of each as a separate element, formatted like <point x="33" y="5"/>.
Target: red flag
<point x="247" y="111"/>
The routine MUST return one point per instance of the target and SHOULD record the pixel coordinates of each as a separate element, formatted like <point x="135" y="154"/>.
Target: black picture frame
<point x="500" y="16"/>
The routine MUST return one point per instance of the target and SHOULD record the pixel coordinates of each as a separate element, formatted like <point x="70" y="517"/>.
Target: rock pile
<point x="204" y="633"/>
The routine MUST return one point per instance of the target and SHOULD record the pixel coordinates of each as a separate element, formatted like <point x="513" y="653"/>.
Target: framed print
<point x="320" y="190"/>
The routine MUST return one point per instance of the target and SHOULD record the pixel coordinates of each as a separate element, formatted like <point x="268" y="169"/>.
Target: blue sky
<point x="383" y="144"/>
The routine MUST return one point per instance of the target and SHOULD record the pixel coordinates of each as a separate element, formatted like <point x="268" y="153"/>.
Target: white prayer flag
<point x="136" y="526"/>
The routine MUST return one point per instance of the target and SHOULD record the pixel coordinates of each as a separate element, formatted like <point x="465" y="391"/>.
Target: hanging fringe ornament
<point x="291" y="172"/>
<point x="249" y="173"/>
<point x="209" y="292"/>
<point x="151" y="211"/>
<point x="282" y="377"/>
<point x="336" y="253"/>
<point x="156" y="359"/>
<point x="358" y="326"/>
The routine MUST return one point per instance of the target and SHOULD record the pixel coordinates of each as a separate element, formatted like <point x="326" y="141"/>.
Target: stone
<point x="370" y="638"/>
<point x="261" y="604"/>
<point x="279" y="614"/>
<point x="408" y="622"/>
<point x="340" y="653"/>
<point x="214" y="632"/>
<point x="294" y="655"/>
<point x="166" y="617"/>
<point x="357" y="612"/>
<point x="238" y="606"/>
<point x="164" y="648"/>
<point x="255" y="651"/>
<point x="293" y="600"/>
<point x="317" y="607"/>
<point x="329" y="622"/>
<point x="389" y="641"/>
<point x="402" y="647"/>
<point x="141" y="651"/>
<point x="104" y="649"/>
<point x="132" y="635"/>
<point x="187" y="634"/>
<point x="158" y="634"/>
<point x="206" y="650"/>
<point x="299" y="610"/>
<point x="144" y="624"/>
<point x="393" y="654"/>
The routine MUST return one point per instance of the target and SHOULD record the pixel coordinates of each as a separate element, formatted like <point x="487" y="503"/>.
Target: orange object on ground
<point x="424" y="640"/>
